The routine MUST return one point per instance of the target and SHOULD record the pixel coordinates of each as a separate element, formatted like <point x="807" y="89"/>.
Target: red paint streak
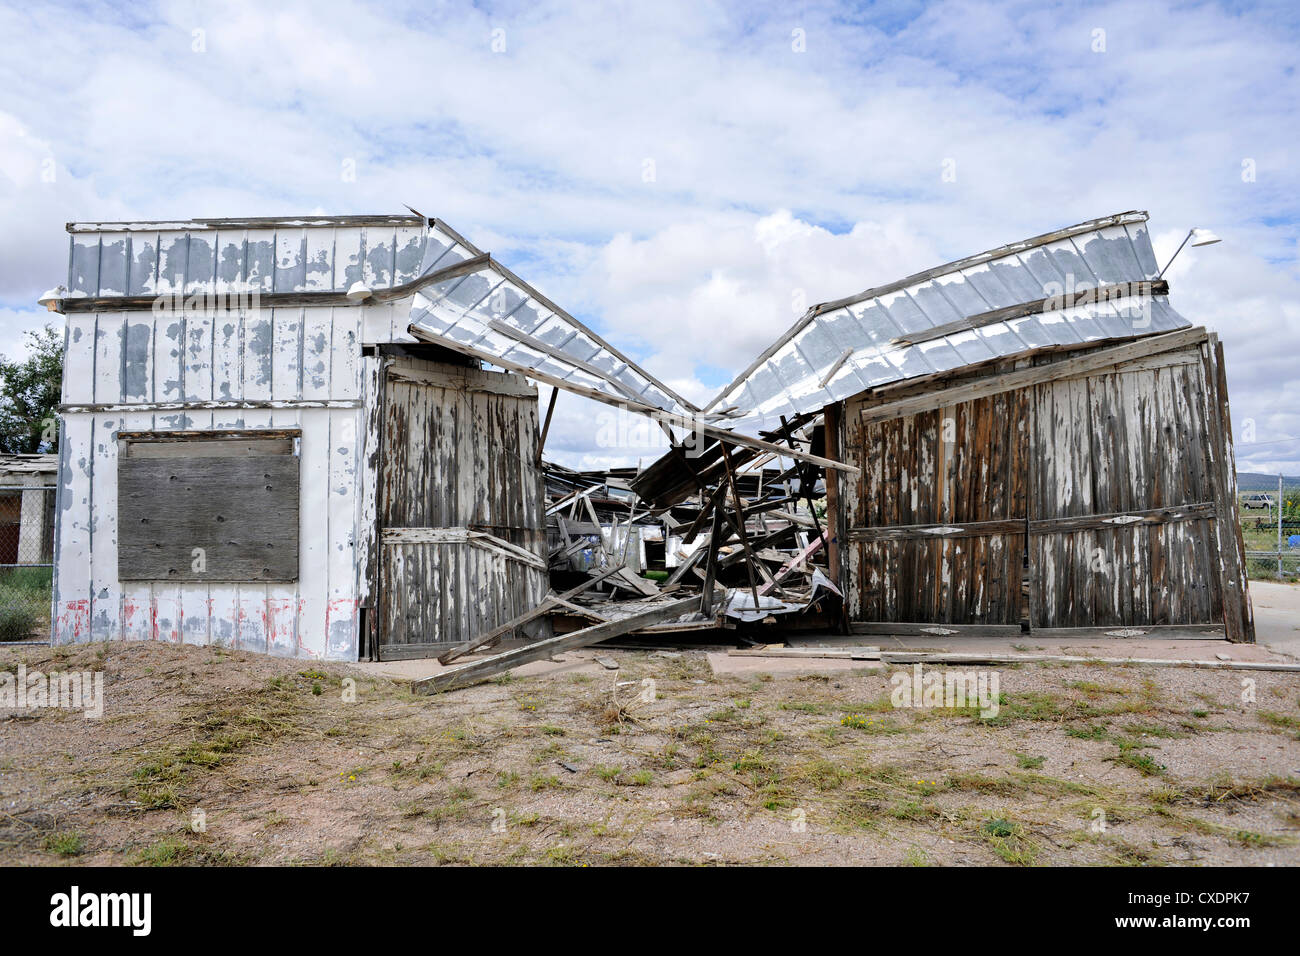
<point x="74" y="621"/>
<point x="279" y="622"/>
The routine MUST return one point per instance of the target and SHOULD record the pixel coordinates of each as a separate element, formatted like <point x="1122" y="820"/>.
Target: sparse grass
<point x="915" y="857"/>
<point x="168" y="852"/>
<point x="64" y="843"/>
<point x="176" y="851"/>
<point x="1143" y="763"/>
<point x="730" y="750"/>
<point x="871" y="725"/>
<point x="1282" y="721"/>
<point x="1087" y="732"/>
<point x="979" y="783"/>
<point x="1009" y="842"/>
<point x="543" y="781"/>
<point x="803" y="706"/>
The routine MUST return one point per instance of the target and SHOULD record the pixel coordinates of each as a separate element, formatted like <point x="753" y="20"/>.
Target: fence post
<point x="1279" y="526"/>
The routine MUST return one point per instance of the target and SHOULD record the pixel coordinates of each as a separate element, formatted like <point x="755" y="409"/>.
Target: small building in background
<point x="27" y="509"/>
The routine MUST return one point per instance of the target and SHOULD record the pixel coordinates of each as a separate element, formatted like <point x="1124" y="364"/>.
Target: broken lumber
<point x="460" y="650"/>
<point x="849" y="653"/>
<point x="476" y="671"/>
<point x="797" y="560"/>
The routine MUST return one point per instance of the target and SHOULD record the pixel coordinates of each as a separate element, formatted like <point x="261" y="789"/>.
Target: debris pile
<point x="719" y="537"/>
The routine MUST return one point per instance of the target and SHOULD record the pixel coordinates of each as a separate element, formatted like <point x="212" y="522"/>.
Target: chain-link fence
<point x="1270" y="525"/>
<point x="26" y="561"/>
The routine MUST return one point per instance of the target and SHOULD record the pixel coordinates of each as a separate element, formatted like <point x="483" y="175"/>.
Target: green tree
<point x="29" y="396"/>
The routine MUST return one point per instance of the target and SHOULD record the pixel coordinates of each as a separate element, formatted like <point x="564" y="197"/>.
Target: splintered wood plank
<point x="477" y="671"/>
<point x="519" y="620"/>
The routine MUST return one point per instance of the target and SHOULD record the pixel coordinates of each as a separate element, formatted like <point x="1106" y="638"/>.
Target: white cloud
<point x="14" y="326"/>
<point x="774" y="171"/>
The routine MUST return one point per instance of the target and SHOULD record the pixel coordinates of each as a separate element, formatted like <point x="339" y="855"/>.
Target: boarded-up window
<point x="208" y="506"/>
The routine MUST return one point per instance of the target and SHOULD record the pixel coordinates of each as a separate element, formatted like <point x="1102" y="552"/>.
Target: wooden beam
<point x="477" y="671"/>
<point x="1104" y="293"/>
<point x="1089" y="364"/>
<point x="706" y="510"/>
<point x="1238" y="615"/>
<point x="570" y="498"/>
<point x="466" y="647"/>
<point x="794" y="562"/>
<point x="835" y="367"/>
<point x="546" y="425"/>
<point x="975" y="529"/>
<point x="711" y="568"/>
<point x="740" y="525"/>
<point x="681" y="570"/>
<point x="831" y="417"/>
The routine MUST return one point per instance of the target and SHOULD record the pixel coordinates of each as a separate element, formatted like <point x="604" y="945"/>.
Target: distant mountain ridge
<point x="1255" y="481"/>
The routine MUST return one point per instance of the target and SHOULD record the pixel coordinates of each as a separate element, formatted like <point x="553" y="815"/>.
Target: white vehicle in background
<point x="1257" y="501"/>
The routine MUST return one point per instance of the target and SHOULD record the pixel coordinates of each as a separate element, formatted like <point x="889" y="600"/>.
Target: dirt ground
<point x="1083" y="765"/>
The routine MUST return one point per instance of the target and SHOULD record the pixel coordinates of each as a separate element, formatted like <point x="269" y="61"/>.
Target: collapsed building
<point x="284" y="436"/>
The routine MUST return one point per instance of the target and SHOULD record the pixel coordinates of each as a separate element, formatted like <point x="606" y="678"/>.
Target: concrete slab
<point x="1277" y="628"/>
<point x="568" y="662"/>
<point x="723" y="664"/>
<point x="1277" y="616"/>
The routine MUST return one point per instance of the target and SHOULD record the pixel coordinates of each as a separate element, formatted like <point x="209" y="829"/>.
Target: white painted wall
<point x="198" y="368"/>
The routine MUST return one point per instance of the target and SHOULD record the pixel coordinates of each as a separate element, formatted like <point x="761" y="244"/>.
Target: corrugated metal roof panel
<point x="237" y="255"/>
<point x="492" y="314"/>
<point x="808" y="367"/>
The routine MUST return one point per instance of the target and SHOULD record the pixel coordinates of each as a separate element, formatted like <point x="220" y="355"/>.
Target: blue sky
<point x="683" y="176"/>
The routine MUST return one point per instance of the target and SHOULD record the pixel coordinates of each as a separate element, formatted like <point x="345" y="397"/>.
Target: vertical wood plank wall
<point x="459" y="452"/>
<point x="1115" y="444"/>
<point x="951" y="466"/>
<point x="1119" y="481"/>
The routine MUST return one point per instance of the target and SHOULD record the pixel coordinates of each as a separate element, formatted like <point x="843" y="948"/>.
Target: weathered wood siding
<point x="241" y="513"/>
<point x="1122" y="445"/>
<point x="950" y="467"/>
<point x="1117" y="479"/>
<point x="458" y="453"/>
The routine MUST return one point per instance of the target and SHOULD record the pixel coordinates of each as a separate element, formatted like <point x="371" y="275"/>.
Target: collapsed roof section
<point x="1091" y="282"/>
<point x="469" y="302"/>
<point x="484" y="310"/>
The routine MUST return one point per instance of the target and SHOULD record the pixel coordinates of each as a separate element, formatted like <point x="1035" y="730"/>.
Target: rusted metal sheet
<point x="838" y="349"/>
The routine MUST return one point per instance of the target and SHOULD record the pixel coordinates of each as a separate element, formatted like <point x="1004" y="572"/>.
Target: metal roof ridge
<point x="248" y="222"/>
<point x="998" y="252"/>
